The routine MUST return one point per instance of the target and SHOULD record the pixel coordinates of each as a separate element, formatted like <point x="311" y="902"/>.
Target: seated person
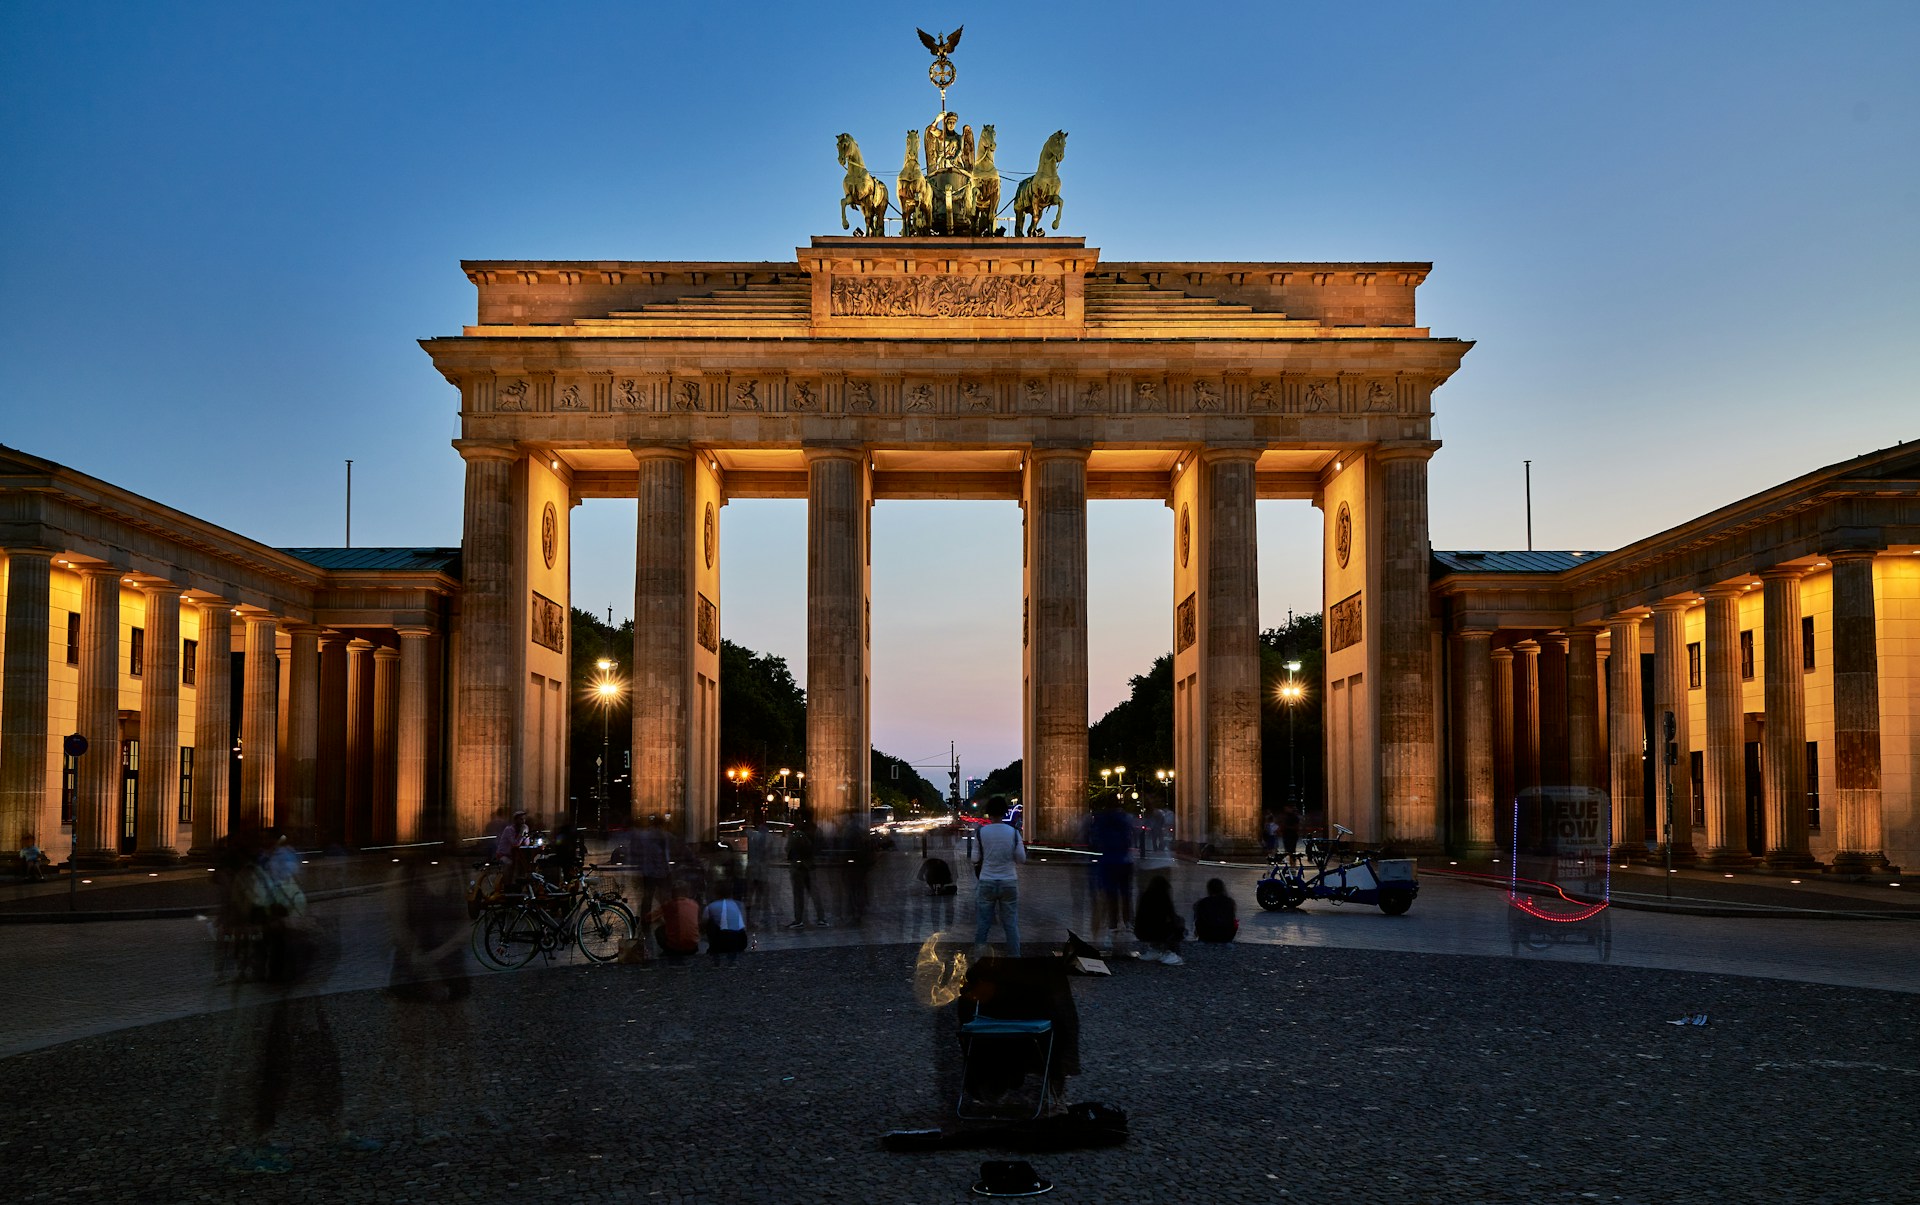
<point x="725" y="924"/>
<point x="676" y="926"/>
<point x="1213" y="918"/>
<point x="34" y="862"/>
<point x="1158" y="925"/>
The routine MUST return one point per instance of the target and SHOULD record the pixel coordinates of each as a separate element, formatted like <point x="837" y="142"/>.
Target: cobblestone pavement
<point x="72" y="981"/>
<point x="1256" y="1072"/>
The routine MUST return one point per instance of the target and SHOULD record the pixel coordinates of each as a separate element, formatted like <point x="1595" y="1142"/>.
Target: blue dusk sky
<point x="1682" y="235"/>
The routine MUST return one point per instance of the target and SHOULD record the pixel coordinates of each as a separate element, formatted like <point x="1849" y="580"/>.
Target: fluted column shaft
<point x="1555" y="765"/>
<point x="1504" y="789"/>
<point x="1626" y="737"/>
<point x="259" y="721"/>
<point x="1474" y="722"/>
<point x="837" y="753"/>
<point x="24" y="695"/>
<point x="212" y="725"/>
<point x="1785" y="764"/>
<point x="299" y="810"/>
<point x="1859" y="832"/>
<point x="663" y="619"/>
<point x="1583" y="708"/>
<point x="360" y="823"/>
<point x="1726" y="754"/>
<point x="330" y="770"/>
<point x="1670" y="695"/>
<point x="1409" y="753"/>
<point x="96" y="807"/>
<point x="411" y="753"/>
<point x="1233" y="646"/>
<point x="1526" y="714"/>
<point x="483" y="716"/>
<point x="385" y="767"/>
<point x="157" y="822"/>
<point x="1056" y="531"/>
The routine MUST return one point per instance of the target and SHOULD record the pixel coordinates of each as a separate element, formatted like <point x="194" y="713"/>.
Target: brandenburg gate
<point x="949" y="367"/>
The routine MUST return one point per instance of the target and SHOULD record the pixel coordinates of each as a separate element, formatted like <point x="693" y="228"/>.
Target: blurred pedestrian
<point x="1290" y="829"/>
<point x="800" y="858"/>
<point x="428" y="987"/>
<point x="676" y="926"/>
<point x="1269" y="835"/>
<point x="997" y="893"/>
<point x="1111" y="835"/>
<point x="1158" y="924"/>
<point x="760" y="857"/>
<point x="1213" y="915"/>
<point x="650" y="858"/>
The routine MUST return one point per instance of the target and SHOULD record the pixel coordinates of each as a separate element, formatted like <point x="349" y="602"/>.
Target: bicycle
<point x="1334" y="871"/>
<point x="544" y="919"/>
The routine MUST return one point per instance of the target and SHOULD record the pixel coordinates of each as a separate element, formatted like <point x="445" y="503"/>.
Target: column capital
<point x="1852" y="555"/>
<point x="96" y="570"/>
<point x="414" y="632"/>
<point x="1526" y="647"/>
<point x="487" y="449"/>
<point x="385" y="652"/>
<point x="1782" y="573"/>
<point x="30" y="550"/>
<point x="644" y="450"/>
<point x="1502" y="653"/>
<point x="1218" y="453"/>
<point x="1673" y="604"/>
<point x="359" y="644"/>
<point x="1725" y="590"/>
<point x="1063" y="452"/>
<point x="1556" y="641"/>
<point x="1413" y="449"/>
<point x="814" y="452"/>
<point x="160" y="589"/>
<point x="1465" y="635"/>
<point x="302" y="629"/>
<point x="329" y="638"/>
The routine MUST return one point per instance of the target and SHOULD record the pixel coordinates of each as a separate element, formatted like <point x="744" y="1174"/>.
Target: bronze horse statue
<point x="914" y="195"/>
<point x="984" y="204"/>
<point x="1041" y="191"/>
<point x="861" y="189"/>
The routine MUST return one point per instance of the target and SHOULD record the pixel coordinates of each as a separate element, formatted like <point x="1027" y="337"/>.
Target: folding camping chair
<point x="992" y="1047"/>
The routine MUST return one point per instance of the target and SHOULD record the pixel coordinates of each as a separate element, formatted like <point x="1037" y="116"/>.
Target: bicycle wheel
<point x="601" y="928"/>
<point x="510" y="937"/>
<point x="489" y="938"/>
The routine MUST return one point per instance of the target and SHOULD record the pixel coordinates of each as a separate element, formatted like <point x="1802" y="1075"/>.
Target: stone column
<point x="1670" y="694"/>
<point x="663" y="619"/>
<point x="1526" y="715"/>
<point x="1232" y="674"/>
<point x="299" y="810"/>
<point x="483" y="714"/>
<point x="1785" y="762"/>
<point x="96" y="807"/>
<point x="1726" y="755"/>
<point x="1503" y="768"/>
<point x="1474" y="724"/>
<point x="1554" y="767"/>
<point x="386" y="714"/>
<point x="1409" y="755"/>
<point x="212" y="725"/>
<point x="330" y="770"/>
<point x="837" y="749"/>
<point x="1583" y="708"/>
<point x="411" y="752"/>
<point x="360" y="824"/>
<point x="157" y="822"/>
<point x="259" y="720"/>
<point x="24" y="735"/>
<point x="1626" y="738"/>
<point x="1859" y="845"/>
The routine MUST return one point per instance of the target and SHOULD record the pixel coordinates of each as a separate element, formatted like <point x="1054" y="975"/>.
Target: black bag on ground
<point x="937" y="874"/>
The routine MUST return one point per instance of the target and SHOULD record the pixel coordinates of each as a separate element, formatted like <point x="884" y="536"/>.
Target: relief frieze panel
<point x="948" y="297"/>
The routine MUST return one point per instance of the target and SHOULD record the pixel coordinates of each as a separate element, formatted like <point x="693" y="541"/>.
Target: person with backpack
<point x="999" y="851"/>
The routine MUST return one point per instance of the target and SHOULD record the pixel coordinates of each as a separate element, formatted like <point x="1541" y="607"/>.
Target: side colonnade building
<point x="1781" y="632"/>
<point x="218" y="683"/>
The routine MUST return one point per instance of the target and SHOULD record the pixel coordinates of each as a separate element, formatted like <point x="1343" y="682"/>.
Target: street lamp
<point x="1291" y="692"/>
<point x="606" y="693"/>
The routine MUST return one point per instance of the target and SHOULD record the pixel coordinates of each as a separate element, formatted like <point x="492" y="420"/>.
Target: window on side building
<point x="137" y="651"/>
<point x="73" y="637"/>
<point x="69" y="786"/>
<point x="1813" y="786"/>
<point x="186" y="784"/>
<point x="1746" y="655"/>
<point x="1697" y="773"/>
<point x="1693" y="666"/>
<point x="1806" y="642"/>
<point x="189" y="655"/>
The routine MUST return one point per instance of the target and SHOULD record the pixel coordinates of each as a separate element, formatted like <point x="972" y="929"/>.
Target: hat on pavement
<point x="1010" y="1178"/>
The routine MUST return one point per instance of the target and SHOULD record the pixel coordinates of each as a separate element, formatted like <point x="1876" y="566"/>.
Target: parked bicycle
<point x="545" y="918"/>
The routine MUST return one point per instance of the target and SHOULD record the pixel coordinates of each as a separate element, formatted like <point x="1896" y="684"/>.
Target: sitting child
<point x="1213" y="918"/>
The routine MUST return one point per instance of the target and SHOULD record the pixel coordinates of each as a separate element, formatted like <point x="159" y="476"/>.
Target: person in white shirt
<point x="726" y="926"/>
<point x="999" y="851"/>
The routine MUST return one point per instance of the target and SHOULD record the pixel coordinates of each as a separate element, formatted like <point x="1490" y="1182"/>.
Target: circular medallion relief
<point x="1186" y="536"/>
<point x="549" y="534"/>
<point x="706" y="535"/>
<point x="1343" y="535"/>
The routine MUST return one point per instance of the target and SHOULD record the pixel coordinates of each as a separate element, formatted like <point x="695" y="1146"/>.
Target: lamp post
<point x="1290" y="694"/>
<point x="606" y="692"/>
